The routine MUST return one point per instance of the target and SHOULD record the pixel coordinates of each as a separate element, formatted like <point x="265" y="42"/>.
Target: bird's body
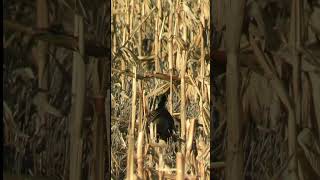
<point x="162" y="119"/>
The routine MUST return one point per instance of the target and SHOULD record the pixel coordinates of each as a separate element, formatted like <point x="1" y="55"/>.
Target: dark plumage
<point x="163" y="119"/>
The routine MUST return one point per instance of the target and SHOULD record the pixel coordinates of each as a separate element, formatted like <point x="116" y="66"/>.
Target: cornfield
<point x="240" y="78"/>
<point x="160" y="46"/>
<point x="266" y="122"/>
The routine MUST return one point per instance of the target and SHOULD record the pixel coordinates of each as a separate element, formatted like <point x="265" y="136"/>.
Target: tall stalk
<point x="140" y="155"/>
<point x="140" y="31"/>
<point x="183" y="89"/>
<point x="134" y="97"/>
<point x="180" y="166"/>
<point x="235" y="152"/>
<point x="170" y="53"/>
<point x="42" y="23"/>
<point x="202" y="61"/>
<point x="295" y="43"/>
<point x="157" y="42"/>
<point x="78" y="92"/>
<point x="42" y="54"/>
<point x="130" y="158"/>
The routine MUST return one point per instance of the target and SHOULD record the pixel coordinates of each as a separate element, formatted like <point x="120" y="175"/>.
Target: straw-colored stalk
<point x="134" y="97"/>
<point x="78" y="92"/>
<point x="161" y="166"/>
<point x="180" y="166"/>
<point x="175" y="30"/>
<point x="144" y="109"/>
<point x="140" y="159"/>
<point x="42" y="48"/>
<point x="234" y="154"/>
<point x="123" y="67"/>
<point x="190" y="137"/>
<point x="202" y="62"/>
<point x="157" y="42"/>
<point x="131" y="16"/>
<point x="130" y="158"/>
<point x="151" y="131"/>
<point x="124" y="40"/>
<point x="183" y="95"/>
<point x="202" y="58"/>
<point x="42" y="55"/>
<point x="183" y="104"/>
<point x="170" y="55"/>
<point x="140" y="31"/>
<point x="295" y="42"/>
<point x="202" y="171"/>
<point x="141" y="123"/>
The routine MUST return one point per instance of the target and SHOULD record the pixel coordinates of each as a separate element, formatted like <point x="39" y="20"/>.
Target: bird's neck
<point x="162" y="105"/>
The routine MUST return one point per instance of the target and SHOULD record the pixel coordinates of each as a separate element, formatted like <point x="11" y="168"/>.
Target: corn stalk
<point x="234" y="154"/>
<point x="170" y="54"/>
<point x="78" y="92"/>
<point x="180" y="166"/>
<point x="42" y="55"/>
<point x="295" y="43"/>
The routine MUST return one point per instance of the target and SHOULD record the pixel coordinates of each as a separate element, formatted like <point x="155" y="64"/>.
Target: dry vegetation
<point x="279" y="90"/>
<point x="51" y="89"/>
<point x="159" y="46"/>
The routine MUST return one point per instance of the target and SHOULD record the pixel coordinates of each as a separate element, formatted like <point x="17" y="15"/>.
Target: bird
<point x="162" y="119"/>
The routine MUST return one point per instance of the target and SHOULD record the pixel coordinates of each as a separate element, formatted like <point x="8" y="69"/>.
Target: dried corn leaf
<point x="162" y="89"/>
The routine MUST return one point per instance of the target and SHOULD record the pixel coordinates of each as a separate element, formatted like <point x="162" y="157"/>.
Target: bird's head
<point x="162" y="101"/>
